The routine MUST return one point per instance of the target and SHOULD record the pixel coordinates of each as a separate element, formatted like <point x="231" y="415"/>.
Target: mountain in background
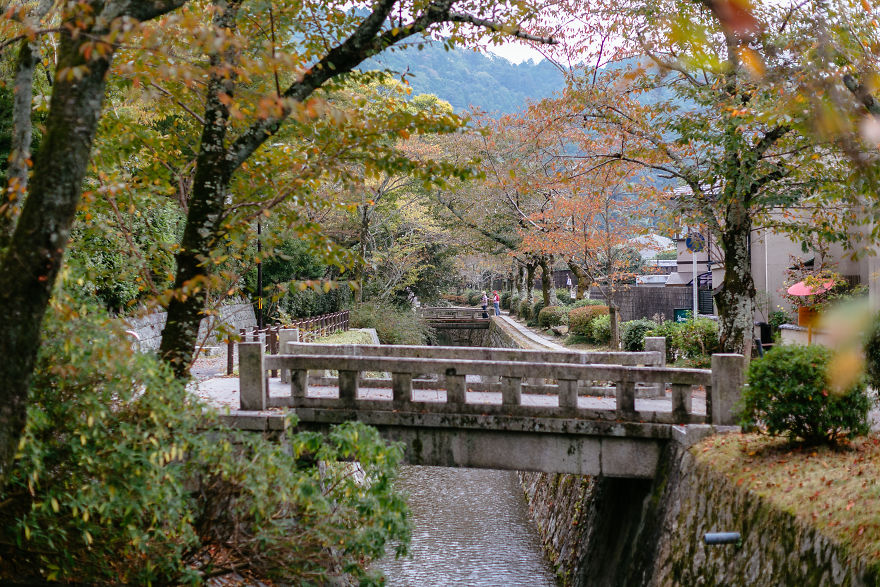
<point x="466" y="78"/>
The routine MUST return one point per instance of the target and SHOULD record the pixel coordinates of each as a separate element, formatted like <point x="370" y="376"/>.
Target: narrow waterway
<point x="470" y="527"/>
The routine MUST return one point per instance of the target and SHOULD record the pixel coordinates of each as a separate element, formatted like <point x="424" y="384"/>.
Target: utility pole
<point x="259" y="278"/>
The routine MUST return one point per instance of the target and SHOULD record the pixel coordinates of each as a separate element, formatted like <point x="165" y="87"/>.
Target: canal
<point x="470" y="527"/>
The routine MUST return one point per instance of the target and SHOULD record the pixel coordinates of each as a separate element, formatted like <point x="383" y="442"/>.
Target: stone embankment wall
<point x="233" y="316"/>
<point x="611" y="531"/>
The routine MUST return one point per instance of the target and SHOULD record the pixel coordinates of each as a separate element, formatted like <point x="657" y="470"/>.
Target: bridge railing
<point x="721" y="383"/>
<point x="452" y="313"/>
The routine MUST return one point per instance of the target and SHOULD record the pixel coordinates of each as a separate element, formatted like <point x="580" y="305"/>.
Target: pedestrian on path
<point x="485" y="303"/>
<point x="496" y="301"/>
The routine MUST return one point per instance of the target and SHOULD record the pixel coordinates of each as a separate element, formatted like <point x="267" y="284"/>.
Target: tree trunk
<point x="548" y="289"/>
<point x="518" y="281"/>
<point x="736" y="300"/>
<point x="614" y="314"/>
<point x="36" y="249"/>
<point x="205" y="214"/>
<point x="530" y="283"/>
<point x="582" y="282"/>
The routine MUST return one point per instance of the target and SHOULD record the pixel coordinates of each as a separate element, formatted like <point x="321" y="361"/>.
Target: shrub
<point x="778" y="318"/>
<point x="393" y="325"/>
<point x="667" y="330"/>
<point x="872" y="353"/>
<point x="600" y="329"/>
<point x="536" y="309"/>
<point x="633" y="334"/>
<point x="695" y="338"/>
<point x="456" y="300"/>
<point x="117" y="483"/>
<point x="525" y="310"/>
<point x="579" y="319"/>
<point x="564" y="296"/>
<point x="552" y="316"/>
<point x="513" y="304"/>
<point x="505" y="300"/>
<point x="474" y="297"/>
<point x="584" y="303"/>
<point x="311" y="302"/>
<point x="789" y="394"/>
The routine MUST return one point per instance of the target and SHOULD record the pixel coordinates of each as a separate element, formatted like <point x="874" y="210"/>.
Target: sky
<point x="515" y="52"/>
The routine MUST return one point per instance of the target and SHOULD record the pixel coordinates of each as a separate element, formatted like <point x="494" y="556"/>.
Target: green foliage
<point x="474" y="297"/>
<point x="536" y="310"/>
<point x="778" y="318"/>
<point x="312" y="302"/>
<point x="117" y="481"/>
<point x="505" y="300"/>
<point x="580" y="319"/>
<point x="688" y="340"/>
<point x="455" y="300"/>
<point x="666" y="329"/>
<point x="695" y="338"/>
<point x="393" y="325"/>
<point x="513" y="305"/>
<point x="564" y="296"/>
<point x="552" y="316"/>
<point x="789" y="394"/>
<point x="590" y="302"/>
<point x="600" y="329"/>
<point x="633" y="334"/>
<point x="525" y="310"/>
<point x="6" y="97"/>
<point x="466" y="78"/>
<point x="872" y="352"/>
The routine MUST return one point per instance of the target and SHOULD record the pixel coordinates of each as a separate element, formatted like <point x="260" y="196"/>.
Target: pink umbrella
<point x="802" y="289"/>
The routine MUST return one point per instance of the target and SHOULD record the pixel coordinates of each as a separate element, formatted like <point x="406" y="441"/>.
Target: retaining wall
<point x="233" y="316"/>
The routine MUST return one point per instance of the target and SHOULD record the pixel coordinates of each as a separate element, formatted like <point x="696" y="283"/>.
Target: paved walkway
<point x="222" y="392"/>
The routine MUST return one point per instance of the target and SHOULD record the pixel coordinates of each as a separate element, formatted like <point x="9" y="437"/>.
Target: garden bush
<point x="311" y="302"/>
<point x="666" y="329"/>
<point x="872" y="352"/>
<point x="564" y="296"/>
<point x="536" y="309"/>
<point x="525" y="310"/>
<point x="474" y="297"/>
<point x="591" y="302"/>
<point x="600" y="329"/>
<point x="455" y="300"/>
<point x="393" y="325"/>
<point x="552" y="316"/>
<point x="633" y="334"/>
<point x="505" y="300"/>
<point x="695" y="338"/>
<point x="118" y="482"/>
<point x="789" y="394"/>
<point x="513" y="305"/>
<point x="579" y="319"/>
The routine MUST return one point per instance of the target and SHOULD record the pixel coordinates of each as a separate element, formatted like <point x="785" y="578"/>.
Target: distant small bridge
<point x="457" y="317"/>
<point x="495" y="408"/>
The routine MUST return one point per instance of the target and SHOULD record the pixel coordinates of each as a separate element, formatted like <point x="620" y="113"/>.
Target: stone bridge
<point x="459" y="318"/>
<point x="496" y="408"/>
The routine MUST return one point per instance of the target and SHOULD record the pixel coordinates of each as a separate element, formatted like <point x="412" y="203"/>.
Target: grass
<point x="836" y="490"/>
<point x="347" y="337"/>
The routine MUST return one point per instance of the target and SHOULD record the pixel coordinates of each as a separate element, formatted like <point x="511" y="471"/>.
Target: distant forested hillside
<point x="465" y="78"/>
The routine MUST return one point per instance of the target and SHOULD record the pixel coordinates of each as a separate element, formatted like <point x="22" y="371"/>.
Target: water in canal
<point x="470" y="527"/>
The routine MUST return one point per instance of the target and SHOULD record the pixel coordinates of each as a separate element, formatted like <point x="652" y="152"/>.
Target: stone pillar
<point x="728" y="376"/>
<point x="286" y="335"/>
<point x="681" y="403"/>
<point x="251" y="380"/>
<point x="511" y="391"/>
<point x="348" y="386"/>
<point x="657" y="344"/>
<point x="299" y="386"/>
<point x="456" y="389"/>
<point x="568" y="395"/>
<point x="401" y="388"/>
<point x="626" y="400"/>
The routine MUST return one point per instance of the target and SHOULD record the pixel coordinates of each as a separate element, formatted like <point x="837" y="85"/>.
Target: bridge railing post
<point x="286" y="335"/>
<point x="456" y="389"/>
<point x="348" y="387"/>
<point x="568" y="395"/>
<point x="401" y="388"/>
<point x="511" y="391"/>
<point x="251" y="376"/>
<point x="728" y="376"/>
<point x="626" y="399"/>
<point x="657" y="344"/>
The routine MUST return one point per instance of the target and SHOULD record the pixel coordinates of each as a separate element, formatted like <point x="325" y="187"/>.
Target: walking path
<point x="223" y="392"/>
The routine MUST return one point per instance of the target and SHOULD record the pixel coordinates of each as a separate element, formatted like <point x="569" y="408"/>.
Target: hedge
<point x="552" y="316"/>
<point x="579" y="319"/>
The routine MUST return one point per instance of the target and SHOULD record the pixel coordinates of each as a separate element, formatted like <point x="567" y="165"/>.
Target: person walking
<point x="485" y="303"/>
<point x="496" y="301"/>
